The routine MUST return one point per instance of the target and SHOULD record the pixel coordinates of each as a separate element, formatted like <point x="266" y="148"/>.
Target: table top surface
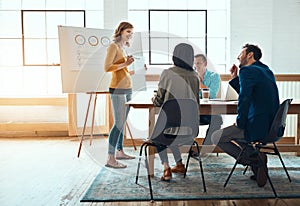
<point x="143" y="98"/>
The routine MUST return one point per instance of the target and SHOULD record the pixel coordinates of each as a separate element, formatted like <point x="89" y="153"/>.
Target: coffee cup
<point x="205" y="94"/>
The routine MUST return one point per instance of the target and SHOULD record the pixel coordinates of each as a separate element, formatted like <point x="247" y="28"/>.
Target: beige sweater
<point x="177" y="83"/>
<point x="120" y="78"/>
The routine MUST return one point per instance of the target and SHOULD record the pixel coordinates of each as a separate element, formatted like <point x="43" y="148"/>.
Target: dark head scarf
<point x="183" y="56"/>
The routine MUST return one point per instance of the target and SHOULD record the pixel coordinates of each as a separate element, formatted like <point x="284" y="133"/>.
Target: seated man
<point x="211" y="80"/>
<point x="257" y="105"/>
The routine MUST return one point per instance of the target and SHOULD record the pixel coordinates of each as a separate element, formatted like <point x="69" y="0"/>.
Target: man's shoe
<point x="179" y="168"/>
<point x="262" y="171"/>
<point x="167" y="176"/>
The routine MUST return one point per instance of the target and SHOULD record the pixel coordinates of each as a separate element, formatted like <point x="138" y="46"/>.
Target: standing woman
<point x="120" y="90"/>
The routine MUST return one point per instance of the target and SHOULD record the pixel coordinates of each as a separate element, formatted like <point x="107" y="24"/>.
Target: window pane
<point x="196" y="4"/>
<point x="30" y="4"/>
<point x="178" y="23"/>
<point x="199" y="44"/>
<point x="56" y="4"/>
<point x="94" y="5"/>
<point x="10" y="22"/>
<point x="54" y="81"/>
<point x="11" y="81"/>
<point x="73" y="5"/>
<point x="35" y="80"/>
<point x="217" y="50"/>
<point x="53" y="20"/>
<point x="177" y="4"/>
<point x="35" y="51"/>
<point x="34" y="24"/>
<point x="10" y="4"/>
<point x="158" y="4"/>
<point x="217" y="4"/>
<point x="46" y="51"/>
<point x="10" y="52"/>
<point x="75" y="19"/>
<point x="217" y="23"/>
<point x="159" y="50"/>
<point x="53" y="52"/>
<point x="180" y="26"/>
<point x="196" y="24"/>
<point x="137" y="4"/>
<point x="139" y="19"/>
<point x="95" y="19"/>
<point x="159" y="23"/>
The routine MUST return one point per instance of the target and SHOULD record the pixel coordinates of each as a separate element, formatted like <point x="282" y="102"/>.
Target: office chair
<point x="269" y="143"/>
<point x="177" y="124"/>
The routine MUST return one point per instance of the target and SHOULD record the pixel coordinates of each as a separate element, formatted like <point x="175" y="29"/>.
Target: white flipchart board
<point x="82" y="55"/>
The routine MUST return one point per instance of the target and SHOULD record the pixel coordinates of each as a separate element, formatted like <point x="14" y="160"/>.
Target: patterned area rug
<point x="119" y="185"/>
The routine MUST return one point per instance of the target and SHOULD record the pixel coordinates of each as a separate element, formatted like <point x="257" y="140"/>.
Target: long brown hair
<point x="122" y="26"/>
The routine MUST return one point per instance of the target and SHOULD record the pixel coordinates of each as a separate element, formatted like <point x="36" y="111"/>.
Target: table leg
<point x="297" y="139"/>
<point x="152" y="150"/>
<point x="131" y="136"/>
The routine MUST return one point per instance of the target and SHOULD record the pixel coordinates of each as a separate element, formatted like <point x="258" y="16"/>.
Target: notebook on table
<point x="231" y="95"/>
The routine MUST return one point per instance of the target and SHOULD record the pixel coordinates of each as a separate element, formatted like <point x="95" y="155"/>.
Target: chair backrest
<point x="177" y="122"/>
<point x="278" y="125"/>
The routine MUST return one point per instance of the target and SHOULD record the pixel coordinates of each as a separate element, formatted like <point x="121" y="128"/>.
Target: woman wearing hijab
<point x="180" y="81"/>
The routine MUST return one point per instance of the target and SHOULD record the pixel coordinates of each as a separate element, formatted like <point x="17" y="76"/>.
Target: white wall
<point x="251" y="22"/>
<point x="273" y="25"/>
<point x="286" y="36"/>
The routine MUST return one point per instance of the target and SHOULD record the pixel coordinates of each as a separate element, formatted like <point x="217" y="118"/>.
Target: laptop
<point x="231" y="95"/>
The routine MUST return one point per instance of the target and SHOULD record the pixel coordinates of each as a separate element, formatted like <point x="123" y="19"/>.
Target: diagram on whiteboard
<point x="84" y="52"/>
<point x="82" y="55"/>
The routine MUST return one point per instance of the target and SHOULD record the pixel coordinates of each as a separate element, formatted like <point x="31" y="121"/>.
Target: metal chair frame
<point x="275" y="134"/>
<point x="158" y="132"/>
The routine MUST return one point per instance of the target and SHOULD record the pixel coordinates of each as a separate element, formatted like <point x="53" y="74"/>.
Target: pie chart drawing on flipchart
<point x="82" y="55"/>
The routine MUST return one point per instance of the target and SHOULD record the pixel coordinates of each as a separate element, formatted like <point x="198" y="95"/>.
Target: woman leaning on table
<point x="120" y="90"/>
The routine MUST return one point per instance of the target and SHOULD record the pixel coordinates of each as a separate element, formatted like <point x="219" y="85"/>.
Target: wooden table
<point x="142" y="100"/>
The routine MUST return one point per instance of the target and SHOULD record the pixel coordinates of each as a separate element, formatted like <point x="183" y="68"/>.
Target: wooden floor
<point x="46" y="171"/>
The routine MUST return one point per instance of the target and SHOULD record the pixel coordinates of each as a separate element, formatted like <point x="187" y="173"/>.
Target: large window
<point x="29" y="55"/>
<point x="40" y="36"/>
<point x="167" y="28"/>
<point x="174" y="21"/>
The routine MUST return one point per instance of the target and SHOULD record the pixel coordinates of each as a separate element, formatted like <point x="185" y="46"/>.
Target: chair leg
<point x="202" y="174"/>
<point x="201" y="167"/>
<point x="234" y="166"/>
<point x="200" y="163"/>
<point x="283" y="165"/>
<point x="139" y="164"/>
<point x="245" y="170"/>
<point x="261" y="162"/>
<point x="188" y="160"/>
<point x="148" y="172"/>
